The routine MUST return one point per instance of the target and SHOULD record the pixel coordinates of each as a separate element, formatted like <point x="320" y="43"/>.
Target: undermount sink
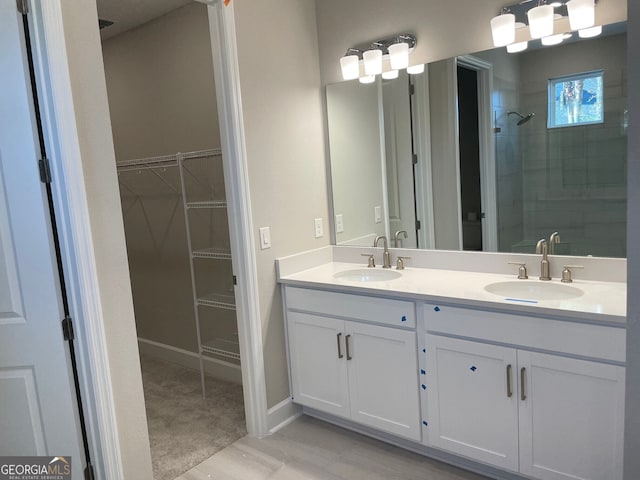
<point x="519" y="290"/>
<point x="367" y="275"/>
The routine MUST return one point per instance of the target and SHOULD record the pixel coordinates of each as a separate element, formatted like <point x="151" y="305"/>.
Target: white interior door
<point x="399" y="162"/>
<point x="38" y="414"/>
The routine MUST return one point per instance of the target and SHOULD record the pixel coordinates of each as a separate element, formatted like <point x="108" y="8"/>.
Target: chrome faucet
<point x="398" y="240"/>
<point x="386" y="256"/>
<point x="553" y="239"/>
<point x="542" y="247"/>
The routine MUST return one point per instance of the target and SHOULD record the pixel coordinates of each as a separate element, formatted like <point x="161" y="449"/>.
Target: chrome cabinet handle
<point x="340" y="355"/>
<point x="346" y="341"/>
<point x="523" y="395"/>
<point x="509" y="390"/>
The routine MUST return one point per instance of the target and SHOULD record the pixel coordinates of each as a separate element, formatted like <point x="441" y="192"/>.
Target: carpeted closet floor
<point x="185" y="429"/>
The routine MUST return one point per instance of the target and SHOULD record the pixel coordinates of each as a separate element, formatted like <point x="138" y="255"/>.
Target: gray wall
<point x="356" y="159"/>
<point x="632" y="415"/>
<point x="163" y="101"/>
<point x="284" y="130"/>
<point x="101" y="187"/>
<point x="160" y="83"/>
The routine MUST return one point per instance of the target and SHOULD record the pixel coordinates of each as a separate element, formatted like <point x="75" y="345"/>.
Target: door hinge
<point x="418" y="225"/>
<point x="414" y="158"/>
<point x="45" y="170"/>
<point x="412" y="89"/>
<point x="67" y="328"/>
<point x="235" y="280"/>
<point x="23" y="6"/>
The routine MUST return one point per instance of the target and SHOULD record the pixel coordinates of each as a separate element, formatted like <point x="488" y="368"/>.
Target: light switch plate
<point x="339" y="223"/>
<point x="378" y="214"/>
<point x="265" y="238"/>
<point x="318" y="227"/>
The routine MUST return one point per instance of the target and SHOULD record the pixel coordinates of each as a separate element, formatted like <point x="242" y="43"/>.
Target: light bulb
<point x="350" y="66"/>
<point x="368" y="79"/>
<point x="582" y="14"/>
<point x="372" y="62"/>
<point x="503" y="29"/>
<point x="541" y="21"/>
<point x="399" y="55"/>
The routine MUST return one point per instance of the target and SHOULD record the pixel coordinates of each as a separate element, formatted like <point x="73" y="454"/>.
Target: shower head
<point x="523" y="118"/>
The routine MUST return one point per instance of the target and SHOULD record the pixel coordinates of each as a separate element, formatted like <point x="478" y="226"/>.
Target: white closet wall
<point x="162" y="101"/>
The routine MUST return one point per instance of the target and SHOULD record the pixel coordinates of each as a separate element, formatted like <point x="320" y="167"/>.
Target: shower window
<point x="575" y="100"/>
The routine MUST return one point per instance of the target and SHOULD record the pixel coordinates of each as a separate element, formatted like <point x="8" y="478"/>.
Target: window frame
<point x="551" y="98"/>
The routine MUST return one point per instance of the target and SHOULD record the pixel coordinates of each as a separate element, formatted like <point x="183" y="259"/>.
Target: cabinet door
<point x="318" y="374"/>
<point x="572" y="420"/>
<point x="471" y="410"/>
<point x="383" y="378"/>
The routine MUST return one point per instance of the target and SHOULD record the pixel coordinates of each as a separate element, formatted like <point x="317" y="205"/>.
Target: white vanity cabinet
<point x="545" y="415"/>
<point x="355" y="357"/>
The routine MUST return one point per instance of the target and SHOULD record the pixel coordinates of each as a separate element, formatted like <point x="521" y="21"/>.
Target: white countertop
<point x="602" y="302"/>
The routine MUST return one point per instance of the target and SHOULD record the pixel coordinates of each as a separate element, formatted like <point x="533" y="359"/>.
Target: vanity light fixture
<point x="590" y="32"/>
<point x="517" y="47"/>
<point x="399" y="55"/>
<point x="541" y="20"/>
<point x="539" y="16"/>
<point x="416" y="69"/>
<point x="503" y="28"/>
<point x="552" y="40"/>
<point x="372" y="61"/>
<point x="582" y="14"/>
<point x="350" y="64"/>
<point x="393" y="51"/>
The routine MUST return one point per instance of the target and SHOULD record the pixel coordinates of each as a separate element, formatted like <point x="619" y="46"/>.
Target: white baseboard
<point x="212" y="367"/>
<point x="282" y="414"/>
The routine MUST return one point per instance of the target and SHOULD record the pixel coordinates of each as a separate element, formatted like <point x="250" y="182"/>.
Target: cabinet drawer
<point x="595" y="341"/>
<point x="398" y="313"/>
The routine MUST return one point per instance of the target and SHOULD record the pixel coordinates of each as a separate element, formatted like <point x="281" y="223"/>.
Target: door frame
<point x="488" y="180"/>
<point x="70" y="202"/>
<point x="61" y="133"/>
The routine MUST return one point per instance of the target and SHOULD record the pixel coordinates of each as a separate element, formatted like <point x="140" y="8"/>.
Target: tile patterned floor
<point x="309" y="449"/>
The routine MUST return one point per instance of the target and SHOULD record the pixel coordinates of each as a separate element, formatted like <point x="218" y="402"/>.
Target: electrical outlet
<point x="339" y="223"/>
<point x="318" y="227"/>
<point x="378" y="214"/>
<point x="265" y="238"/>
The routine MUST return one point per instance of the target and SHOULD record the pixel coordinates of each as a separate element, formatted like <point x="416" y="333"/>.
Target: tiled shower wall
<point x="574" y="178"/>
<point x="506" y="80"/>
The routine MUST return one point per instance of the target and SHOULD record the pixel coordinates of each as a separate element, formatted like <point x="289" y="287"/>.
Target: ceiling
<point x="128" y="14"/>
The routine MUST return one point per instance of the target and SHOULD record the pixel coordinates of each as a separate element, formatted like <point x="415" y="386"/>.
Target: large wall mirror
<point x="489" y="151"/>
